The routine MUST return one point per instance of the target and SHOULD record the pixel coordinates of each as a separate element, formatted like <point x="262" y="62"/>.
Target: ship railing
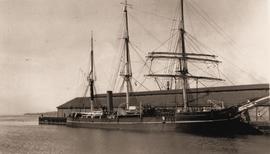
<point x="204" y="108"/>
<point x="216" y="104"/>
<point x="77" y="116"/>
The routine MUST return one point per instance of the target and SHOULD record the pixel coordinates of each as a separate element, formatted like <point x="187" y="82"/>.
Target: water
<point x="22" y="134"/>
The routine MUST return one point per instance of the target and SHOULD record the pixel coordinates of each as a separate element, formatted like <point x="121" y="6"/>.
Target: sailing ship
<point x="214" y="118"/>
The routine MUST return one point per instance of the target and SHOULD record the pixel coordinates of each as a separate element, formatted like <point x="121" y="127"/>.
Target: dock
<point x="259" y="118"/>
<point x="52" y="120"/>
<point x="263" y="126"/>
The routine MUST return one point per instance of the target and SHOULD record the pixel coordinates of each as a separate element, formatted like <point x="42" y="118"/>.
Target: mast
<point x="183" y="57"/>
<point x="183" y="61"/>
<point x="91" y="75"/>
<point x="127" y="74"/>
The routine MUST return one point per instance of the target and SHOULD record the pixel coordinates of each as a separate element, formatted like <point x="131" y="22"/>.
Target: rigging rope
<point x="220" y="31"/>
<point x="164" y="42"/>
<point x="141" y="84"/>
<point x="202" y="70"/>
<point x="224" y="58"/>
<point x="210" y="21"/>
<point x="153" y="14"/>
<point x="145" y="63"/>
<point x="147" y="31"/>
<point x="115" y="72"/>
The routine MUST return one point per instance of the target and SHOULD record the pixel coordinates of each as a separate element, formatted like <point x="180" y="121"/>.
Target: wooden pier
<point x="52" y="120"/>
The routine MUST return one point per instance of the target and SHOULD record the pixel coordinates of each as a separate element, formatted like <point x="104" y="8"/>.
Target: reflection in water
<point x="23" y="135"/>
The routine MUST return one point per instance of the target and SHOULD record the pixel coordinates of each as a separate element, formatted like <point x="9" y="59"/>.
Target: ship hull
<point x="207" y="127"/>
<point x="218" y="127"/>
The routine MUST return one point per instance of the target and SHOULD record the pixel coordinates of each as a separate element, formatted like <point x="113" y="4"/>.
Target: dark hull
<point x="219" y="127"/>
<point x="216" y="122"/>
<point x="207" y="127"/>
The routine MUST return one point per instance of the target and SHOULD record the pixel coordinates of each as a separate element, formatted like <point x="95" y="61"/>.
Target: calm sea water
<point x="22" y="134"/>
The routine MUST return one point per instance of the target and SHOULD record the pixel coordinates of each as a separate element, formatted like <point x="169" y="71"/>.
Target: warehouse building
<point x="228" y="95"/>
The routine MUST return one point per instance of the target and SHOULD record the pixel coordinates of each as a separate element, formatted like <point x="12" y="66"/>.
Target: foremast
<point x="127" y="73"/>
<point x="90" y="77"/>
<point x="182" y="56"/>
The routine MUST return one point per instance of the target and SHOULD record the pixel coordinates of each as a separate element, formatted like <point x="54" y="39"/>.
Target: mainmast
<point x="183" y="61"/>
<point x="90" y="77"/>
<point x="183" y="57"/>
<point x="127" y="75"/>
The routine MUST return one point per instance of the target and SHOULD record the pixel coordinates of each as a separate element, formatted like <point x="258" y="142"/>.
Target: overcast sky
<point x="44" y="44"/>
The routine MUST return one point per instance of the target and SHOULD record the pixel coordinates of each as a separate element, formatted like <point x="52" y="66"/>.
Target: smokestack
<point x="109" y="102"/>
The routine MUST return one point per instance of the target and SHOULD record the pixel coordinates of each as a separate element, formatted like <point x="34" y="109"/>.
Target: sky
<point x="44" y="45"/>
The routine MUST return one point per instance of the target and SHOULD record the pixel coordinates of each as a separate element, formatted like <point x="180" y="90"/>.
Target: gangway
<point x="250" y="104"/>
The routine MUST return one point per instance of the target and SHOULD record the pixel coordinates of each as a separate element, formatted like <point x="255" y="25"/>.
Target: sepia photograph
<point x="134" y="76"/>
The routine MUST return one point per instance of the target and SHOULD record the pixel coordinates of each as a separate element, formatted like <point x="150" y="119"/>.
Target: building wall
<point x="166" y="99"/>
<point x="228" y="97"/>
<point x="260" y="113"/>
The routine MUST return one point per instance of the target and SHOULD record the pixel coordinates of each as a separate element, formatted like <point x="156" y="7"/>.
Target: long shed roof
<point x="84" y="102"/>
